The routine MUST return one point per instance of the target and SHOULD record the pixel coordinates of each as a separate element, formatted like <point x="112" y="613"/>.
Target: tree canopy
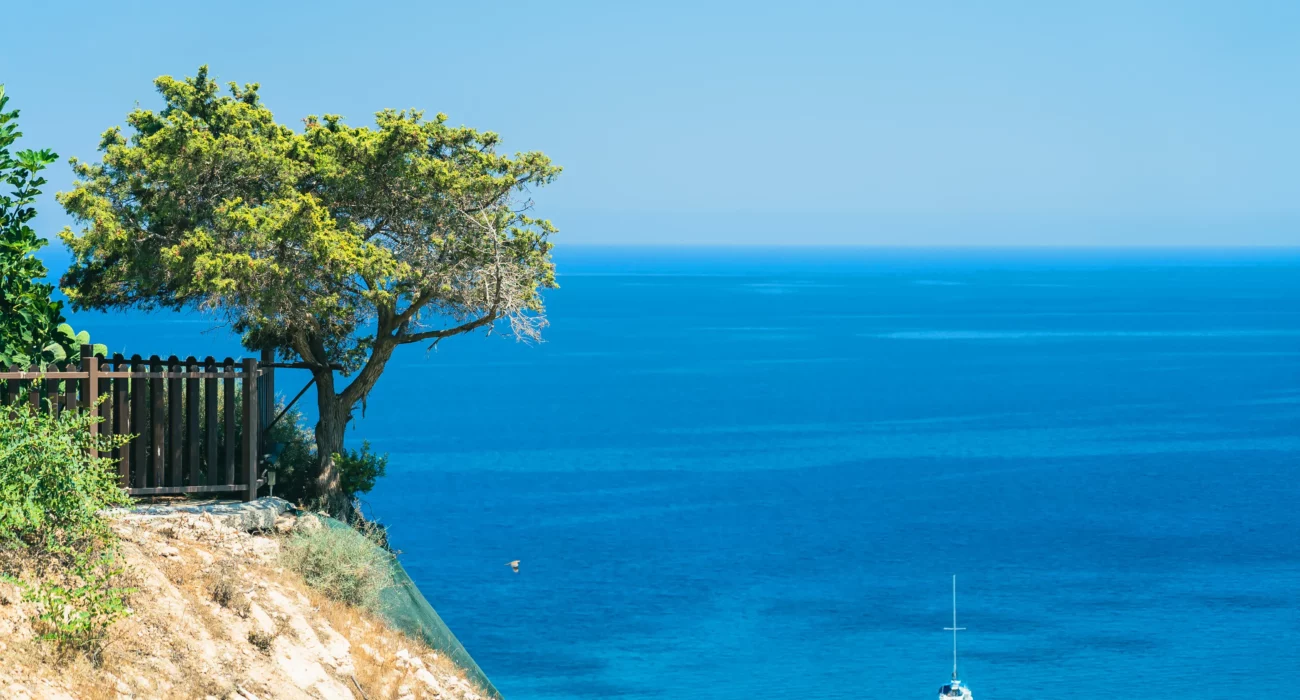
<point x="332" y="244"/>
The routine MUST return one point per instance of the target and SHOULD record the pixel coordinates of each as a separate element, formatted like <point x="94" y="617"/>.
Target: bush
<point x="74" y="610"/>
<point x="50" y="486"/>
<point x="51" y="491"/>
<point x="344" y="564"/>
<point x="296" y="469"/>
<point x="226" y="588"/>
<point x="358" y="470"/>
<point x="32" y="330"/>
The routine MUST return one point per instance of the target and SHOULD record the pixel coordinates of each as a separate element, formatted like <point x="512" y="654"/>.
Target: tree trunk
<point x="333" y="421"/>
<point x="335" y="409"/>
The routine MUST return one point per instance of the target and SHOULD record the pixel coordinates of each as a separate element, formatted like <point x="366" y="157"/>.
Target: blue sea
<point x="751" y="474"/>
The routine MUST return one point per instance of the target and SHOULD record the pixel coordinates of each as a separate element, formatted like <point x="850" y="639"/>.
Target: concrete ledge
<point x="249" y="517"/>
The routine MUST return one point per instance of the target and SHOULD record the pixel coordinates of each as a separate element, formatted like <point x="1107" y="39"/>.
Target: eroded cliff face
<point x="215" y="616"/>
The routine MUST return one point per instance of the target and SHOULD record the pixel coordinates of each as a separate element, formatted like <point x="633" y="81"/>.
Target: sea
<point x="753" y="472"/>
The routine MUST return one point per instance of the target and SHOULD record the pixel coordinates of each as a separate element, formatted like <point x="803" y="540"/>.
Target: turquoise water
<point x="751" y="474"/>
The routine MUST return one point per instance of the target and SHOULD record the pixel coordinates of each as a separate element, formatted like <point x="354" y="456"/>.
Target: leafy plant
<point x="74" y="611"/>
<point x="296" y="465"/>
<point x="358" y="469"/>
<point x="32" y="329"/>
<point x="51" y="488"/>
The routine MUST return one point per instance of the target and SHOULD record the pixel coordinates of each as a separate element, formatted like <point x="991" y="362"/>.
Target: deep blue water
<point x="750" y="474"/>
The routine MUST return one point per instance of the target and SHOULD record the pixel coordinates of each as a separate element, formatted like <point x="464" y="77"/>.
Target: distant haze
<point x="1103" y="123"/>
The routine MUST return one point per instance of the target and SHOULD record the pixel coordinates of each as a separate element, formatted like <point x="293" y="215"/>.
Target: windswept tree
<point x="333" y="245"/>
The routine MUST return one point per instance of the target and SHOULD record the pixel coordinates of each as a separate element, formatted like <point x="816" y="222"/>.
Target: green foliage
<point x="74" y="610"/>
<point x="304" y="238"/>
<point x="51" y="491"/>
<point x="332" y="246"/>
<point x="296" y="465"/>
<point x="66" y="347"/>
<point x="358" y="469"/>
<point x="50" y="486"/>
<point x="32" y="330"/>
<point x="345" y="564"/>
<point x="28" y="316"/>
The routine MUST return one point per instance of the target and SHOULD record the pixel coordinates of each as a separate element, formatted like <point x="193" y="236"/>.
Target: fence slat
<point x="122" y="421"/>
<point x="140" y="426"/>
<point x="230" y="447"/>
<point x="192" y="423"/>
<point x="71" y="397"/>
<point x="250" y="425"/>
<point x="157" y="424"/>
<point x="54" y="401"/>
<point x="34" y="389"/>
<point x="89" y="394"/>
<point x="210" y="420"/>
<point x="175" y="437"/>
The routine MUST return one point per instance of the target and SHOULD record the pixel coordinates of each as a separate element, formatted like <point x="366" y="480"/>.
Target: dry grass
<point x="209" y="620"/>
<point x="224" y="585"/>
<point x="340" y="562"/>
<point x="380" y="675"/>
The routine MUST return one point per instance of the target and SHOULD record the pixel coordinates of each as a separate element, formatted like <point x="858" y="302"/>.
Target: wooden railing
<point x="187" y="437"/>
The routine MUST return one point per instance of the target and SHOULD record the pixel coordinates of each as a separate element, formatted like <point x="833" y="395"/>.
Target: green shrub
<point x="32" y="330"/>
<point x="74" y="609"/>
<point x="345" y="564"/>
<point x="51" y="491"/>
<point x="296" y="466"/>
<point x="50" y="486"/>
<point x="358" y="469"/>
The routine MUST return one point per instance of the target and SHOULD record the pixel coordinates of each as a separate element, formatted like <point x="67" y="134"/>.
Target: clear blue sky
<point x="899" y="123"/>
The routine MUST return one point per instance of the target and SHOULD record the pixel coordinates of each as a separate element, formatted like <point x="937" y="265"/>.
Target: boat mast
<point x="954" y="629"/>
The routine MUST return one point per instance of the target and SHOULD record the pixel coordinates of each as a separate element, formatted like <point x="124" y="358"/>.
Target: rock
<point x="265" y="548"/>
<point x="427" y="678"/>
<point x="248" y="517"/>
<point x="308" y="523"/>
<point x="285" y="523"/>
<point x="168" y="551"/>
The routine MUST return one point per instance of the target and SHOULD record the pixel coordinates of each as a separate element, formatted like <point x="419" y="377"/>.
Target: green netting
<point x="405" y="609"/>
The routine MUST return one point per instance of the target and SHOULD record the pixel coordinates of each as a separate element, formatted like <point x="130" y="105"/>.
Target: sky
<point x="751" y="123"/>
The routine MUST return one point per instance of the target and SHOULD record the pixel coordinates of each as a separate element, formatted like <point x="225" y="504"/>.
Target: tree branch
<point x="484" y="320"/>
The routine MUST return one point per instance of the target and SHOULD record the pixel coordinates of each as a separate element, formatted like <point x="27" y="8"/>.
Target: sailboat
<point x="954" y="689"/>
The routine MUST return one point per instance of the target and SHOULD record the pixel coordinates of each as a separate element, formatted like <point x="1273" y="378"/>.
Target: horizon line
<point x="944" y="246"/>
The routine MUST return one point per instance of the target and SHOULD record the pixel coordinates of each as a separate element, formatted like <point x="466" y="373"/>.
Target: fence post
<point x="250" y="448"/>
<point x="90" y="389"/>
<point x="268" y="388"/>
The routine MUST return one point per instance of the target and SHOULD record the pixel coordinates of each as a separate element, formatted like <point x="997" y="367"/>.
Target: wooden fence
<point x="192" y="434"/>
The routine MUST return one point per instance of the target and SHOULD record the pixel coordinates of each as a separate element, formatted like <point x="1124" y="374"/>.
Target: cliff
<point x="215" y="614"/>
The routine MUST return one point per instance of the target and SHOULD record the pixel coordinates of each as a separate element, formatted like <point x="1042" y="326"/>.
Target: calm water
<point x="750" y="475"/>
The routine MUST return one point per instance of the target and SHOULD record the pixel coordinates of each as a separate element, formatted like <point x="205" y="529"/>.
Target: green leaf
<point x="54" y="353"/>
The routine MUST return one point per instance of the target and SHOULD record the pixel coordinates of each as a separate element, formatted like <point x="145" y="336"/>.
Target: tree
<point x="32" y="328"/>
<point x="333" y="246"/>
